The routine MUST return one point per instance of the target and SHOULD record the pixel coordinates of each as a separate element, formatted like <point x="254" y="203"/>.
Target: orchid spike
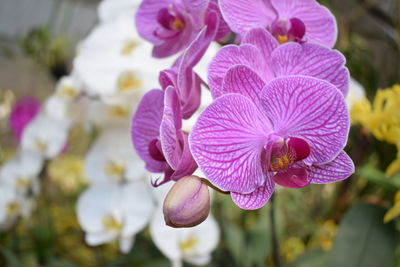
<point x="181" y="74"/>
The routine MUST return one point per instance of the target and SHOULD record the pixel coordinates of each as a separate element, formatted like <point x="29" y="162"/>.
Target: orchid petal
<point x="199" y="45"/>
<point x="229" y="56"/>
<point x="187" y="165"/>
<point x="257" y="198"/>
<point x="173" y="44"/>
<point x="95" y="239"/>
<point x="310" y="109"/>
<point x="207" y="234"/>
<point x="146" y="127"/>
<point x="292" y="178"/>
<point x="137" y="206"/>
<point x="223" y="28"/>
<point x="299" y="147"/>
<point x="94" y="205"/>
<point x="167" y="78"/>
<point x="338" y="169"/>
<point x="266" y="43"/>
<point x="243" y="80"/>
<point x="243" y="15"/>
<point x="110" y="147"/>
<point x="164" y="237"/>
<point x="227" y="142"/>
<point x="195" y="6"/>
<point x="146" y="18"/>
<point x="171" y="124"/>
<point x="126" y="243"/>
<point x="312" y="60"/>
<point x="189" y="83"/>
<point x="320" y="23"/>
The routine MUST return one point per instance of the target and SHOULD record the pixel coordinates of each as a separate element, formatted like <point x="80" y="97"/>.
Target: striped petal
<point x="311" y="109"/>
<point x="243" y="80"/>
<point x="311" y="60"/>
<point x="146" y="127"/>
<point x="243" y="15"/>
<point x="227" y="143"/>
<point x="338" y="169"/>
<point x="320" y="24"/>
<point x="257" y="198"/>
<point x="226" y="58"/>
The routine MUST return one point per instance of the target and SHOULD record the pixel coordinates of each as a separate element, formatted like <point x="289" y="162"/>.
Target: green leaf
<point x="378" y="177"/>
<point x="311" y="258"/>
<point x="234" y="240"/>
<point x="363" y="239"/>
<point x="11" y="259"/>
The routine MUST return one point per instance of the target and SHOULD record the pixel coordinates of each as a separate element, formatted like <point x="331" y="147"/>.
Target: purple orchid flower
<point x="287" y="20"/>
<point x="23" y="112"/>
<point x="291" y="134"/>
<point x="181" y="75"/>
<point x="158" y="138"/>
<point x="262" y="58"/>
<point x="171" y="25"/>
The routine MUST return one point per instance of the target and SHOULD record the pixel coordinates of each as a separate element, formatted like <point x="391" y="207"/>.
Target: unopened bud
<point x="187" y="204"/>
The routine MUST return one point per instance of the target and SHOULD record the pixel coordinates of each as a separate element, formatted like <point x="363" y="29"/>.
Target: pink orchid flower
<point x="291" y="134"/>
<point x="262" y="59"/>
<point x="171" y="25"/>
<point x="158" y="137"/>
<point x="287" y="20"/>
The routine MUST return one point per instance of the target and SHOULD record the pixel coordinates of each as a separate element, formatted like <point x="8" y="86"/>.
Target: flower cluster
<point x="278" y="114"/>
<point x="110" y="73"/>
<point x="382" y="119"/>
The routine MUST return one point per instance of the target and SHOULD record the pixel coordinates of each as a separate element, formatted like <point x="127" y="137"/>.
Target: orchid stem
<point x="274" y="238"/>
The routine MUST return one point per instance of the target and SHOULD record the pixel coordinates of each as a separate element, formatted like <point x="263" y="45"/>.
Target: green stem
<point x="274" y="238"/>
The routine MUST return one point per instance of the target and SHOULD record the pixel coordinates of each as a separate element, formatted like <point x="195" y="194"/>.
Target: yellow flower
<point x="394" y="211"/>
<point x="292" y="248"/>
<point x="67" y="172"/>
<point x="324" y="236"/>
<point x="382" y="119"/>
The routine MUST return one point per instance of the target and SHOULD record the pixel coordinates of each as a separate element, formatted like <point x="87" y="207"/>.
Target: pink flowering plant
<point x="278" y="115"/>
<point x="171" y="25"/>
<point x="238" y="133"/>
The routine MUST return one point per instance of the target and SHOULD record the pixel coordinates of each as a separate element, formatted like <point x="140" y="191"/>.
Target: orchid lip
<point x="170" y="20"/>
<point x="292" y="30"/>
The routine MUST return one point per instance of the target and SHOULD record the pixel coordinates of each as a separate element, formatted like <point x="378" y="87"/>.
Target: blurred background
<point x="339" y="224"/>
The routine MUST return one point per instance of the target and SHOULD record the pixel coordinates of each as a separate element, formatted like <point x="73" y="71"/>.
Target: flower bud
<point x="187" y="204"/>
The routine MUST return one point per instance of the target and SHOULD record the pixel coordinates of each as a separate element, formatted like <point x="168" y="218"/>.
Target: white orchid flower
<point x="112" y="158"/>
<point x="112" y="9"/>
<point x="118" y="110"/>
<point x="45" y="135"/>
<point x="110" y="211"/>
<point x="12" y="205"/>
<point x="21" y="172"/>
<point x="61" y="105"/>
<point x="9" y="203"/>
<point x="193" y="245"/>
<point x="114" y="60"/>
